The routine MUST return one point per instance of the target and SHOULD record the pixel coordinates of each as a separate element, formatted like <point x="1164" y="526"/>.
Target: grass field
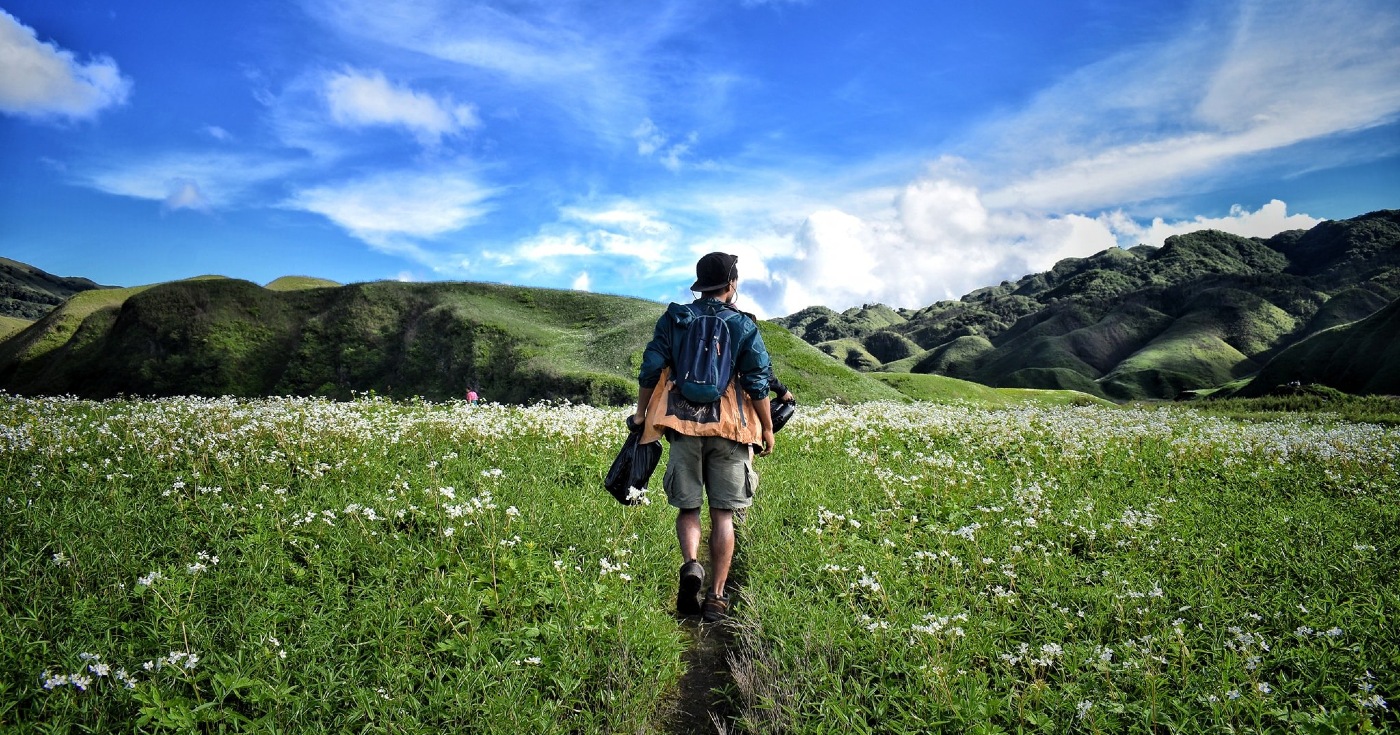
<point x="298" y="565"/>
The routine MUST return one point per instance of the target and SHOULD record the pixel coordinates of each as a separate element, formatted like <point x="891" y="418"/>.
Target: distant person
<point x="472" y="397"/>
<point x="712" y="442"/>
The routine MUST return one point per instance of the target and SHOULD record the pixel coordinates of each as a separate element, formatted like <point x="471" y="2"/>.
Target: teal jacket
<point x="752" y="365"/>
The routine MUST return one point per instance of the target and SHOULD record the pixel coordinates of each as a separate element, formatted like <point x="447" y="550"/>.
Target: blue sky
<point x="899" y="151"/>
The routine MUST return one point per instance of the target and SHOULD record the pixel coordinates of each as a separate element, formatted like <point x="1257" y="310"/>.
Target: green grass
<point x="334" y="567"/>
<point x="941" y="389"/>
<point x="851" y="353"/>
<point x="298" y="565"/>
<point x="10" y="326"/>
<point x="298" y="283"/>
<point x="1308" y="399"/>
<point x="1071" y="570"/>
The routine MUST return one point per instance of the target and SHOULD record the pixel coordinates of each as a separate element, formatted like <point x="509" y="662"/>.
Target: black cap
<point x="715" y="271"/>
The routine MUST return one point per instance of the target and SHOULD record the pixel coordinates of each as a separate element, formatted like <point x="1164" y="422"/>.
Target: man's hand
<point x="768" y="443"/>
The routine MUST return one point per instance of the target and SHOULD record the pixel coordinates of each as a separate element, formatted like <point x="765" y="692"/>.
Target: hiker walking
<point x="703" y="384"/>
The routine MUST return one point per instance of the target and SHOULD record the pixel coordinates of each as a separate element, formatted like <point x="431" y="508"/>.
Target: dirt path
<point x="702" y="702"/>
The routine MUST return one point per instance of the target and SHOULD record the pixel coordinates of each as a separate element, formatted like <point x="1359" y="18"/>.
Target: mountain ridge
<point x="28" y="293"/>
<point x="1205" y="309"/>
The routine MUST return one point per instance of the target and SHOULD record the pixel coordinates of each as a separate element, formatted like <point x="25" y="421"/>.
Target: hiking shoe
<point x="716" y="608"/>
<point x="688" y="598"/>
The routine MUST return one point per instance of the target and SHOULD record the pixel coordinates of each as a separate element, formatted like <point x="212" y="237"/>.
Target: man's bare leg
<point x="688" y="533"/>
<point x="721" y="546"/>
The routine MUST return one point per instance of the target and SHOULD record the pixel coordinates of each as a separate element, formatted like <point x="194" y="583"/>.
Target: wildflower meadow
<point x="303" y="565"/>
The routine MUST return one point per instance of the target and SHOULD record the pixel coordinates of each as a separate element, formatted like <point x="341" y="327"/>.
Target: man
<point x="712" y="445"/>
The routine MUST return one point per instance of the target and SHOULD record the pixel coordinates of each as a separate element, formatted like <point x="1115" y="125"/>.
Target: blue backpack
<point x="704" y="354"/>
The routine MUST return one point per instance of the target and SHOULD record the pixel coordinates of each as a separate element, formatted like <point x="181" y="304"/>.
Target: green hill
<point x="815" y="376"/>
<point x="216" y="336"/>
<point x="298" y="283"/>
<point x="1202" y="311"/>
<point x="29" y="293"/>
<point x="221" y="336"/>
<point x="939" y="389"/>
<point x="1362" y="357"/>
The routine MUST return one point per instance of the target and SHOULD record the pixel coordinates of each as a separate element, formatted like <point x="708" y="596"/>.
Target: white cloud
<point x="599" y="63"/>
<point x="899" y="258"/>
<point x="543" y="250"/>
<point x="1150" y="121"/>
<point x="582" y="282"/>
<point x="42" y="80"/>
<point x="651" y="141"/>
<point x="218" y="133"/>
<point x="185" y="194"/>
<point x="649" y="138"/>
<point x="1269" y="220"/>
<point x="392" y="210"/>
<point x="360" y="100"/>
<point x="623" y="230"/>
<point x="182" y="180"/>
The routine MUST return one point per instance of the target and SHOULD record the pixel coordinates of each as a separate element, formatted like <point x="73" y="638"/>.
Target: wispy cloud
<point x="596" y="62"/>
<point x="41" y="80"/>
<point x="1147" y="122"/>
<point x="187" y="180"/>
<point x="185" y="194"/>
<point x="398" y="211"/>
<point x="651" y="141"/>
<point x="357" y="99"/>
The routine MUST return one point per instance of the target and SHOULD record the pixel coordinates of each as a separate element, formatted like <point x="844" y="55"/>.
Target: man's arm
<point x="764" y="406"/>
<point x="643" y="400"/>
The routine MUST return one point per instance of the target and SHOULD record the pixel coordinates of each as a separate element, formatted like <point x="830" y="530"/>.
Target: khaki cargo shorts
<point x="709" y="464"/>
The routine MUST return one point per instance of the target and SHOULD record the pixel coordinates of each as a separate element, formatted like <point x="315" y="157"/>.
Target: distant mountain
<point x="301" y="336"/>
<point x="28" y="293"/>
<point x="1203" y="310"/>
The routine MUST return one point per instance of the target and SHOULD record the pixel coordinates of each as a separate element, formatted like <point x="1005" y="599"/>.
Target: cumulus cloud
<point x="1267" y="221"/>
<point x="582" y="282"/>
<point x="370" y="100"/>
<point x="42" y="80"/>
<point x="392" y="211"/>
<point x="939" y="240"/>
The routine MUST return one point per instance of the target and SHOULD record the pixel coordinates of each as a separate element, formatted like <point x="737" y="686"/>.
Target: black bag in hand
<point x="781" y="412"/>
<point x="633" y="466"/>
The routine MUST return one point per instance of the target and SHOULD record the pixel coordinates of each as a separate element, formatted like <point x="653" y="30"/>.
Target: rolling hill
<point x="1204" y="310"/>
<point x="1362" y="357"/>
<point x="301" y="336"/>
